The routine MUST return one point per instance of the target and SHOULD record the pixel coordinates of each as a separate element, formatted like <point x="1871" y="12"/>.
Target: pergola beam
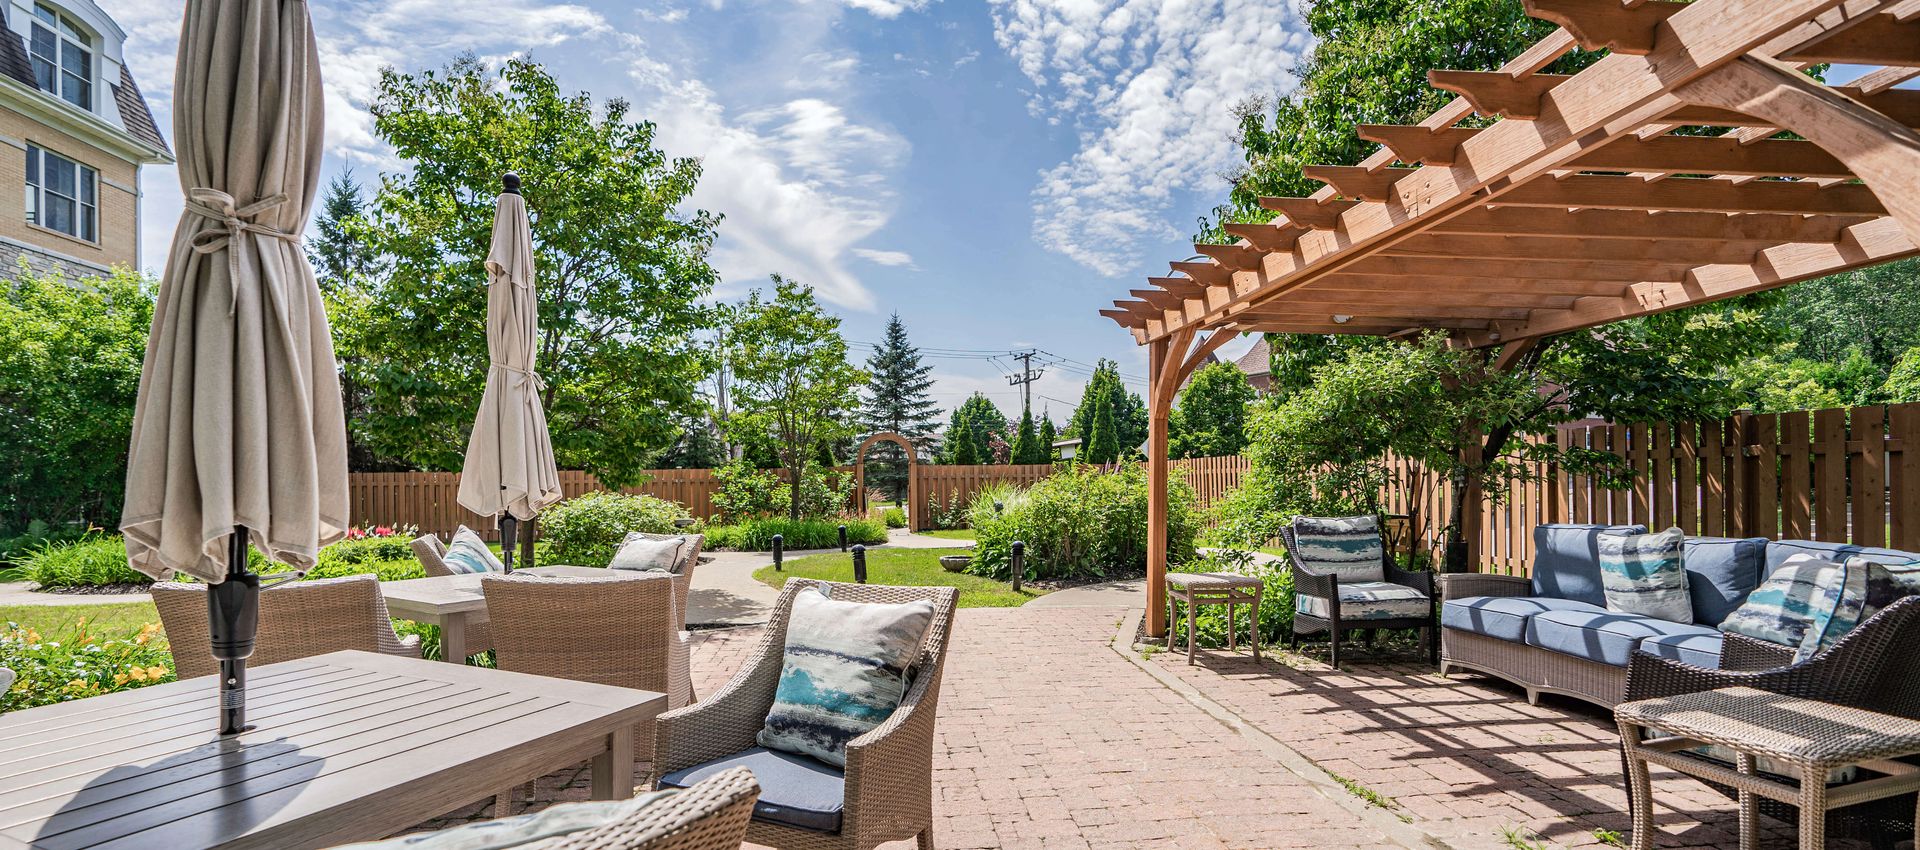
<point x="1689" y="252"/>
<point x="1879" y="40"/>
<point x="1639" y="224"/>
<point x="1498" y="93"/>
<point x="1353" y="181"/>
<point x="1312" y="213"/>
<point x="1514" y="269"/>
<point x="1687" y="194"/>
<point x="1266" y="238"/>
<point x="1362" y="283"/>
<point x="1606" y="24"/>
<point x="1714" y="155"/>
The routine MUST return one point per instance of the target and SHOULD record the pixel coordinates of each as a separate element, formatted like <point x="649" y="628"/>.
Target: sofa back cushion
<point x="1721" y="571"/>
<point x="1566" y="560"/>
<point x="1778" y="551"/>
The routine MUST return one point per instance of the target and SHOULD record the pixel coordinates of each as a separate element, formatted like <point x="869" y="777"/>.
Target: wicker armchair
<point x="709" y="816"/>
<point x="682" y="579"/>
<point x="1874" y="668"/>
<point x="1326" y="586"/>
<point x="620" y="630"/>
<point x="888" y="791"/>
<point x="297" y="619"/>
<point x="432" y="555"/>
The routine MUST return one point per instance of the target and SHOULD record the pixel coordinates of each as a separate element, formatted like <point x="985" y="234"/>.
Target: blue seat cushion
<point x="1566" y="560"/>
<point x="1503" y="617"/>
<point x="1606" y="637"/>
<point x="1698" y="650"/>
<point x="795" y="790"/>
<point x="1721" y="571"/>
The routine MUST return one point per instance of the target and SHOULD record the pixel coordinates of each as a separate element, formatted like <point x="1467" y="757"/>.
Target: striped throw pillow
<point x="469" y="554"/>
<point x="1810" y="604"/>
<point x="843" y="672"/>
<point x="1644" y="574"/>
<point x="1348" y="547"/>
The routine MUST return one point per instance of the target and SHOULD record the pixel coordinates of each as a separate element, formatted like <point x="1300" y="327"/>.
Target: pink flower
<point x="382" y="531"/>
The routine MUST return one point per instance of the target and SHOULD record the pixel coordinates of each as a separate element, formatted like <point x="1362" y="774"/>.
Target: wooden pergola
<point x="1580" y="205"/>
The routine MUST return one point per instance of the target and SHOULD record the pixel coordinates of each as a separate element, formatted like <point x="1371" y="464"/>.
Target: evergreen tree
<point x="1103" y="446"/>
<point x="976" y="422"/>
<point x="896" y="400"/>
<point x="338" y="250"/>
<point x="965" y="452"/>
<point x="1047" y="436"/>
<point x="1129" y="411"/>
<point x="1026" y="442"/>
<point x="1211" y="418"/>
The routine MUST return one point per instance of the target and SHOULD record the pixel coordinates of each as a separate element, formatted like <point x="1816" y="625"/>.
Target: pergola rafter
<point x="1578" y="205"/>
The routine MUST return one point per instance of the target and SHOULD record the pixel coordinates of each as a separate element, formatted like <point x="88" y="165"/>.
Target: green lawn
<point x="114" y="619"/>
<point x="908" y="567"/>
<point x="950" y="533"/>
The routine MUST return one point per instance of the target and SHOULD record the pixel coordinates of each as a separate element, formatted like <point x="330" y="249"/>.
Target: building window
<point x="62" y="194"/>
<point x="62" y="56"/>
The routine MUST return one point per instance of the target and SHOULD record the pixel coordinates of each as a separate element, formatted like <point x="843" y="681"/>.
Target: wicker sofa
<point x="1551" y="632"/>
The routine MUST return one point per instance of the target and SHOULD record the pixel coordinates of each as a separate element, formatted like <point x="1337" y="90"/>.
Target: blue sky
<point x="996" y="172"/>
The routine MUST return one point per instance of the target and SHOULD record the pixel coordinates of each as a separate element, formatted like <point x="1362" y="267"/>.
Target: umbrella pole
<point x="233" y="611"/>
<point x="509" y="525"/>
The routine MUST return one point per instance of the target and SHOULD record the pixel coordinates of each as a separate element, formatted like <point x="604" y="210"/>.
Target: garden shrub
<point x="1079" y="522"/>
<point x="58" y="668"/>
<point x="952" y="514"/>
<point x="1210" y="621"/>
<point x="14" y="548"/>
<point x="91" y="561"/>
<point x="894" y="518"/>
<point x="757" y="535"/>
<point x="747" y="493"/>
<point x="587" y="529"/>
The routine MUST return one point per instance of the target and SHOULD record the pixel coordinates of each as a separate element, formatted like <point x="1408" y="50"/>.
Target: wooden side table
<point x="1227" y="589"/>
<point x="1797" y="736"/>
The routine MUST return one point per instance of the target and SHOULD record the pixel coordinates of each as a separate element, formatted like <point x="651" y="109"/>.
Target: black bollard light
<point x="1019" y="563"/>
<point x="779" y="543"/>
<point x="843" y="537"/>
<point x="859" y="564"/>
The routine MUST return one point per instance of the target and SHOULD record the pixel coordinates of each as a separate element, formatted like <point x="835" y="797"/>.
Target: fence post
<point x="779" y="543"/>
<point x="1019" y="563"/>
<point x="859" y="564"/>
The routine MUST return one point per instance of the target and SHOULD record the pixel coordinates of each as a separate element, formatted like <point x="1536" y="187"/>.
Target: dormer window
<point x="62" y="55"/>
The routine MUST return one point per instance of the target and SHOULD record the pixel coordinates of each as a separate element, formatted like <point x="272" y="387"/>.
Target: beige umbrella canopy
<point x="238" y="434"/>
<point x="510" y="469"/>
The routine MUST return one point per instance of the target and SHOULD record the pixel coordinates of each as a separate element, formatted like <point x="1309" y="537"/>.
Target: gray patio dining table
<point x="347" y="746"/>
<point x="456" y="603"/>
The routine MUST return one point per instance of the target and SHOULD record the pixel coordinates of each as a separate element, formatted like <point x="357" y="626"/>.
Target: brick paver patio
<point x="1051" y="736"/>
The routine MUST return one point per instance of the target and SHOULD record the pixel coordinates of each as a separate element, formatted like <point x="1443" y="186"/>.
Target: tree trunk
<point x="1456" y="553"/>
<point x="793" y="491"/>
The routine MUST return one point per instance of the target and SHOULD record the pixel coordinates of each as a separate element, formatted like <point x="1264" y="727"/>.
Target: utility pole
<point x="1025" y="379"/>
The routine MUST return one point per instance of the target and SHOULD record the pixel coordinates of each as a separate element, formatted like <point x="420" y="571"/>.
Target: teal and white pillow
<point x="843" y="672"/>
<point x="1348" y="547"/>
<point x="521" y="830"/>
<point x="640" y="552"/>
<point x="469" y="554"/>
<point x="1645" y="574"/>
<point x="1810" y="604"/>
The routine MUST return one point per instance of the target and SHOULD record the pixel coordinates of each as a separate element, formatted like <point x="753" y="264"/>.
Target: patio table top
<point x="348" y="746"/>
<point x="437" y="595"/>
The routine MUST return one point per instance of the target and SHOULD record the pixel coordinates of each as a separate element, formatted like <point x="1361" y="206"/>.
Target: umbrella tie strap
<point x="229" y="222"/>
<point x="524" y="377"/>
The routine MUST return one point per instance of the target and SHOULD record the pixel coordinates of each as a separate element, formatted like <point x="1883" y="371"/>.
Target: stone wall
<point x="42" y="263"/>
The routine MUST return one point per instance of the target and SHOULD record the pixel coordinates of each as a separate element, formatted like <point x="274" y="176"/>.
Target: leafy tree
<point x="1211" y="418"/>
<point x="1903" y="385"/>
<point x="1775" y="383"/>
<point x="897" y="400"/>
<point x="1047" y="437"/>
<point x="1102" y="443"/>
<point x="70" y="359"/>
<point x="619" y="269"/>
<point x="791" y="376"/>
<point x="1875" y="311"/>
<point x="1129" y="411"/>
<point x="1026" y="441"/>
<point x="976" y="423"/>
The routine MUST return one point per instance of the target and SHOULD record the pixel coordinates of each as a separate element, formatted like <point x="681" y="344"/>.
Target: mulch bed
<point x="97" y="589"/>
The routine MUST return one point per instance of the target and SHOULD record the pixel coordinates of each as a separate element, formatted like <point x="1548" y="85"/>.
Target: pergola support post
<point x="1158" y="410"/>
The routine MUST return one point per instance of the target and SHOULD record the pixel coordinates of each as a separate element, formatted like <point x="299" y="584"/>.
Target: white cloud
<point x="1151" y="84"/>
<point x="886" y="8"/>
<point x="885" y="258"/>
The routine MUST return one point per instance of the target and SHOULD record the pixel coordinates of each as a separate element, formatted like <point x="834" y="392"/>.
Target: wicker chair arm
<point x="1651" y="677"/>
<point x="1463" y="585"/>
<point x="896" y="754"/>
<point x="1741" y="653"/>
<point x="1420" y="580"/>
<point x="1309" y="583"/>
<point x="727" y="721"/>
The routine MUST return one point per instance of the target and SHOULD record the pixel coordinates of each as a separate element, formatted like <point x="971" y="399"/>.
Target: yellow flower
<point x="33" y="636"/>
<point x="141" y="640"/>
<point x="120" y="679"/>
<point x="139" y="674"/>
<point x="156" y="672"/>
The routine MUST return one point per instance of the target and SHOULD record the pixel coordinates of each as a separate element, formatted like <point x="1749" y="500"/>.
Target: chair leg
<point x="1189" y="630"/>
<point x="925" y="838"/>
<point x="1333" y="640"/>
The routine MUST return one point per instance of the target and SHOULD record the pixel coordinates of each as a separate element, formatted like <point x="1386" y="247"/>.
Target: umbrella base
<point x="233" y="616"/>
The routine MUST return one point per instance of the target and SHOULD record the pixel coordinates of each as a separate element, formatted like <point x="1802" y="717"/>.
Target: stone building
<point x="74" y="133"/>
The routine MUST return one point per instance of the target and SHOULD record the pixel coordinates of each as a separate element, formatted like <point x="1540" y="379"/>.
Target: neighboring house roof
<point x="1258" y="360"/>
<point x="1070" y="441"/>
<point x="137" y="119"/>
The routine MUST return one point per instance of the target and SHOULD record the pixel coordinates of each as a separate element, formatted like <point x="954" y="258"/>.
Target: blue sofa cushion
<point x="1566" y="560"/>
<point x="1721" y="571"/>
<point x="1606" y="637"/>
<point x="1503" y="617"/>
<point x="1698" y="650"/>
<point x="794" y="790"/>
<point x="1778" y="551"/>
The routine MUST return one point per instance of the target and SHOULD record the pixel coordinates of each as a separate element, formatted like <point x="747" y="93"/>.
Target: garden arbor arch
<point x="860" y="470"/>
<point x="1579" y="206"/>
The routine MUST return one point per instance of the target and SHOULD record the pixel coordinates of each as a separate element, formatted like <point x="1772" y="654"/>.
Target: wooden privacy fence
<point x="1841" y="475"/>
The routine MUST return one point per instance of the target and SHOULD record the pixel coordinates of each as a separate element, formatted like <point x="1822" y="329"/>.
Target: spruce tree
<point x="1047" y="436"/>
<point x="1026" y="443"/>
<point x="896" y="400"/>
<point x="340" y="256"/>
<point x="1129" y="411"/>
<point x="1103" y="445"/>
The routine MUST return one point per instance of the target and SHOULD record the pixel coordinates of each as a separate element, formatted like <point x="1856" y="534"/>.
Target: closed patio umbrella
<point x="238" y="434"/>
<point x="509" y="469"/>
